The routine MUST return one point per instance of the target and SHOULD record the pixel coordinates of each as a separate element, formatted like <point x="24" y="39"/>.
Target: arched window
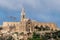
<point x="12" y="27"/>
<point x="41" y="27"/>
<point x="1" y="28"/>
<point x="47" y="27"/>
<point x="29" y="21"/>
<point x="28" y="25"/>
<point x="36" y="27"/>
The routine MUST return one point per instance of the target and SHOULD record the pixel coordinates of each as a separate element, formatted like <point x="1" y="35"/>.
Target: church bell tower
<point x="22" y="14"/>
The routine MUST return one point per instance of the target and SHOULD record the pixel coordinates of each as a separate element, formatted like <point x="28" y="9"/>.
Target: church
<point x="27" y="25"/>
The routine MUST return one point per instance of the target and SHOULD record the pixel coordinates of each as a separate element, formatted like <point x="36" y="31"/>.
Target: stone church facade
<point x="27" y="25"/>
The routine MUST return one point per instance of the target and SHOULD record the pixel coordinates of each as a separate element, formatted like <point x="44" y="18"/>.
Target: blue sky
<point x="39" y="10"/>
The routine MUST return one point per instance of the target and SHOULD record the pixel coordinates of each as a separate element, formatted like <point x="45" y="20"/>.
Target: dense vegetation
<point x="35" y="37"/>
<point x="54" y="35"/>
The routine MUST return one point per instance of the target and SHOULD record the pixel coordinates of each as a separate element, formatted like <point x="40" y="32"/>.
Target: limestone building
<point x="27" y="25"/>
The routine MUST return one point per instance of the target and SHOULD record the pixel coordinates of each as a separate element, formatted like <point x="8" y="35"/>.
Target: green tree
<point x="43" y="37"/>
<point x="58" y="34"/>
<point x="35" y="36"/>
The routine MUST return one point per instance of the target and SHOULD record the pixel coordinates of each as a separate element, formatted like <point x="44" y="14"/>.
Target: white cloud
<point x="53" y="4"/>
<point x="10" y="4"/>
<point x="15" y="4"/>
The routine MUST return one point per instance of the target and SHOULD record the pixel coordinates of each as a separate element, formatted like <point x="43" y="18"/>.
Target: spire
<point x="23" y="11"/>
<point x="22" y="14"/>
